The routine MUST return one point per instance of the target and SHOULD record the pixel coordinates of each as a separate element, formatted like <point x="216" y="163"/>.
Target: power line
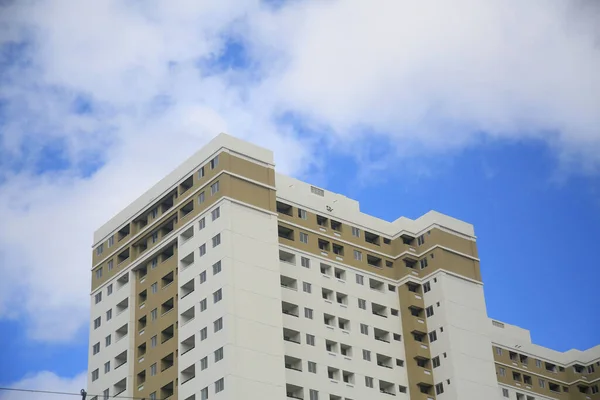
<point x="68" y="393"/>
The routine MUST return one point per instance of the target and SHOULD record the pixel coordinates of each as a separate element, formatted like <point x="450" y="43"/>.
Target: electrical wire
<point x="100" y="396"/>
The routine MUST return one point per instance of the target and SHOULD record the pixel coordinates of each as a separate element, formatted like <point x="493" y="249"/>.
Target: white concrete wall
<point x="352" y="337"/>
<point x="469" y="364"/>
<point x="251" y="306"/>
<point x="107" y="380"/>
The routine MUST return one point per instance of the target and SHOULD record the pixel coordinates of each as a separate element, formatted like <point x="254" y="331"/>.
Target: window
<point x="313" y="394"/>
<point x="542" y="383"/>
<point x="153" y="369"/>
<point x="312" y="367"/>
<point x="538" y="363"/>
<point x="201" y="172"/>
<point x="357" y="255"/>
<point x="154" y="263"/>
<point x="362" y="304"/>
<point x="429" y="311"/>
<point x="216" y="267"/>
<point x="203" y="333"/>
<point x="423" y="263"/>
<point x="310" y="339"/>
<point x="501" y="371"/>
<point x="439" y="388"/>
<point x="432" y="336"/>
<point x="202" y="250"/>
<point x="308" y="313"/>
<point x="105" y="394"/>
<point x="499" y="351"/>
<point x="96" y="348"/>
<point x="110" y="265"/>
<point x="218" y="354"/>
<point x="355" y="231"/>
<point x="95" y="374"/>
<point x="436" y="362"/>
<point x="204" y="363"/>
<point x="98" y="297"/>
<point x="99" y="249"/>
<point x="218" y="324"/>
<point x="394" y="312"/>
<point x="216" y="213"/>
<point x="202" y="223"/>
<point x="216" y="240"/>
<point x="97" y="323"/>
<point x="305" y="262"/>
<point x="505" y="392"/>
<point x="307" y="287"/>
<point x="109" y="289"/>
<point x="107" y="367"/>
<point x="426" y="287"/>
<point x="154" y="237"/>
<point x="303" y="237"/>
<point x="201" y="198"/>
<point x="421" y="240"/>
<point x="397" y="337"/>
<point x="153" y="341"/>
<point x="153" y="314"/>
<point x="154" y="287"/>
<point x="154" y="213"/>
<point x="203" y="305"/>
<point x="368" y="381"/>
<point x="204" y="394"/>
<point x="202" y="276"/>
<point x="214" y="162"/>
<point x="214" y="188"/>
<point x="366" y="355"/>
<point x="111" y="241"/>
<point x="107" y="340"/>
<point x="109" y="315"/>
<point x="364" y="329"/>
<point x="302" y="213"/>
<point x="217" y="296"/>
<point x="153" y="396"/>
<point x="360" y="279"/>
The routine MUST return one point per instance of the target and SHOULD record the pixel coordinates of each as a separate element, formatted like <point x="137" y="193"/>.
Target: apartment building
<point x="227" y="280"/>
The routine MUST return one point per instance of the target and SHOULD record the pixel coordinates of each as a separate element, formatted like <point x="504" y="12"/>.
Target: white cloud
<point x="424" y="78"/>
<point x="46" y="381"/>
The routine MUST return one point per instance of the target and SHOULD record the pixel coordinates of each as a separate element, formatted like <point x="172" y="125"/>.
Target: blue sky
<point x="494" y="129"/>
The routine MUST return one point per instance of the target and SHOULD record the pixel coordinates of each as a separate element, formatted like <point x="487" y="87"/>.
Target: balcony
<point x="285" y="233"/>
<point x="344" y="324"/>
<point x="167" y="334"/>
<point x="187" y="288"/>
<point x="387" y="388"/>
<point x="333" y="373"/>
<point x="188" y="374"/>
<point x="286" y="257"/>
<point x="168" y="227"/>
<point x="372" y="238"/>
<point x="166" y="391"/>
<point x="376" y="285"/>
<point x="123" y="305"/>
<point x="167" y="306"/>
<point x="326" y="269"/>
<point x="384" y="361"/>
<point x="167" y="253"/>
<point x="339" y="274"/>
<point x="331" y="346"/>
<point x="374" y="261"/>
<point x="290" y="335"/>
<point x="285" y="209"/>
<point x="322" y="221"/>
<point x="289" y="309"/>
<point x="187" y="261"/>
<point x="188" y="315"/>
<point x="185" y="210"/>
<point x="324" y="245"/>
<point x="186" y="235"/>
<point x="288" y="283"/>
<point x="141" y="378"/>
<point x="341" y="298"/>
<point x="345" y="350"/>
<point x="327" y="294"/>
<point x="379" y="310"/>
<point x="336" y="225"/>
<point x="167" y="279"/>
<point x="124" y="232"/>
<point x="121" y="359"/>
<point x="294" y="392"/>
<point x="348" y="377"/>
<point x="166" y="362"/>
<point x="186" y="185"/>
<point x="188" y="344"/>
<point x="141" y="350"/>
<point x="381" y="335"/>
<point x="416" y="311"/>
<point x="329" y="320"/>
<point x="121" y="332"/>
<point x="123" y="256"/>
<point x="167" y="203"/>
<point x="293" y="363"/>
<point x="338" y="250"/>
<point x="120" y="387"/>
<point x="142" y="322"/>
